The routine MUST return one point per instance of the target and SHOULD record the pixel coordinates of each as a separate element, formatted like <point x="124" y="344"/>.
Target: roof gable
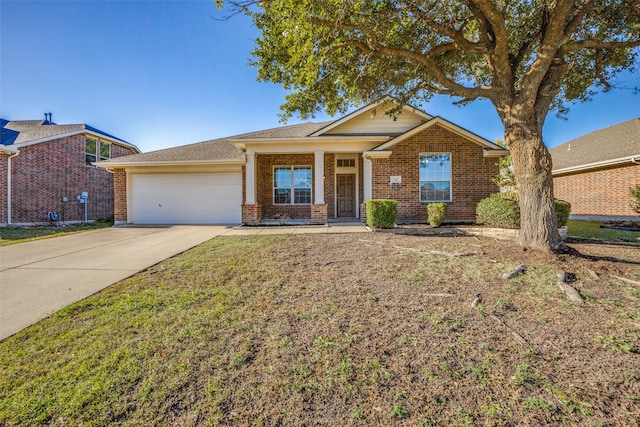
<point x="599" y="148"/>
<point x="21" y="133"/>
<point x="490" y="149"/>
<point x="374" y="120"/>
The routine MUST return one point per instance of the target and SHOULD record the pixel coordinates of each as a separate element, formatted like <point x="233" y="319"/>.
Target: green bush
<point x="436" y="213"/>
<point x="563" y="209"/>
<point x="502" y="210"/>
<point x="497" y="211"/>
<point x="635" y="196"/>
<point x="382" y="213"/>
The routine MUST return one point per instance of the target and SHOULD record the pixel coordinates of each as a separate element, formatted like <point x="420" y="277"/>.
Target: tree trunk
<point x="532" y="171"/>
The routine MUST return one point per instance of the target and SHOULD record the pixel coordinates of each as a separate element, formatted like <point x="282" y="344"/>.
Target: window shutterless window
<point x="435" y="177"/>
<point x="105" y="150"/>
<point x="91" y="147"/>
<point x="96" y="150"/>
<point x="292" y="185"/>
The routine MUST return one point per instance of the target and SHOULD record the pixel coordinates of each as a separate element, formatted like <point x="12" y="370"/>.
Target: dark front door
<point x="346" y="195"/>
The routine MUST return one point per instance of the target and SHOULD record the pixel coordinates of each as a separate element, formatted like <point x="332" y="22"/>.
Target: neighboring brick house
<point x="44" y="167"/>
<point x="311" y="172"/>
<point x="594" y="172"/>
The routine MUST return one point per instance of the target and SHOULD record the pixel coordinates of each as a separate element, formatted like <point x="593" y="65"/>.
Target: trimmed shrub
<point x="497" y="211"/>
<point x="436" y="213"/>
<point x="563" y="209"/>
<point x="635" y="197"/>
<point x="381" y="213"/>
<point x="502" y="210"/>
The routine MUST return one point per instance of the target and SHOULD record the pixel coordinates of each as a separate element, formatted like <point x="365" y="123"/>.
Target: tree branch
<point x="373" y="47"/>
<point x="597" y="44"/>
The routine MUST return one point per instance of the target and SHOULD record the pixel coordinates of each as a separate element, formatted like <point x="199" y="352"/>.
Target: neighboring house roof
<point x="27" y="132"/>
<point x="609" y="146"/>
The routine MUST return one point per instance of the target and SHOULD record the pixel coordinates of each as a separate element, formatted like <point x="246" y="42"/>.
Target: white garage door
<point x="194" y="198"/>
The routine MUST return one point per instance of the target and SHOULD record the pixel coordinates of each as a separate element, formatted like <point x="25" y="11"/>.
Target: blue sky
<point x="166" y="73"/>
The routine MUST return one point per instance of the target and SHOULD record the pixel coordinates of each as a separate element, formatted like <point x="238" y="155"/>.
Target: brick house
<point x="311" y="172"/>
<point x="594" y="172"/>
<point x="44" y="167"/>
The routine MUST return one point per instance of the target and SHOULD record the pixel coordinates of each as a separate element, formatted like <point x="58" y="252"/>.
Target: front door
<point x="346" y="195"/>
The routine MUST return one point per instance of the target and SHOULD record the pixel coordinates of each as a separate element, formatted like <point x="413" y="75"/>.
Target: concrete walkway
<point x="40" y="277"/>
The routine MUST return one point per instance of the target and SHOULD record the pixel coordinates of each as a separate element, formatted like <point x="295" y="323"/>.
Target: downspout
<point x="9" y="186"/>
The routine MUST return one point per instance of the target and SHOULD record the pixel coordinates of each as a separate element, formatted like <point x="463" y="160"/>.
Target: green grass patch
<point x="591" y="230"/>
<point x="10" y="236"/>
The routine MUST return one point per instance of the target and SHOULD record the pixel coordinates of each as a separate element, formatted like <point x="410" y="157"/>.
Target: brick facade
<point x="4" y="163"/>
<point x="471" y="175"/>
<point x="599" y="192"/>
<point x="471" y="180"/>
<point x="264" y="187"/>
<point x="43" y="174"/>
<point x="120" y="196"/>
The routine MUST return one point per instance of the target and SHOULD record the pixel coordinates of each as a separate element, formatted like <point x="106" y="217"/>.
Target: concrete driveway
<point x="38" y="278"/>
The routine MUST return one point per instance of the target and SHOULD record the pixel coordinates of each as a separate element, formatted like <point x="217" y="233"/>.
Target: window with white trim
<point x="435" y="177"/>
<point x="292" y="185"/>
<point x="96" y="150"/>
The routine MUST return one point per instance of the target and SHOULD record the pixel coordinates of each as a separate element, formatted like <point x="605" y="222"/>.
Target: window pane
<point x="302" y="177"/>
<point x="302" y="196"/>
<point x="89" y="158"/>
<point x="281" y="196"/>
<point x="105" y="150"/>
<point x="91" y="145"/>
<point x="435" y="191"/>
<point x="435" y="167"/>
<point x="282" y="177"/>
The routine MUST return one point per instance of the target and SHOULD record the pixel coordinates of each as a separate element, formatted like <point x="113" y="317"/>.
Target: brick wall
<point x="264" y="179"/>
<point x="471" y="175"/>
<point x="3" y="187"/>
<point x="42" y="174"/>
<point x="599" y="192"/>
<point x="120" y="196"/>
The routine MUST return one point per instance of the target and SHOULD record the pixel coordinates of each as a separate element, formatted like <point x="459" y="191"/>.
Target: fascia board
<point x="8" y="150"/>
<point x="631" y="159"/>
<point x="309" y="144"/>
<point x="377" y="154"/>
<point x="124" y="165"/>
<point x="495" y="153"/>
<point x="78" y="132"/>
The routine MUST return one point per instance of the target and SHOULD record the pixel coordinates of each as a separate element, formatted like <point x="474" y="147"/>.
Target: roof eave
<point x="611" y="162"/>
<point x="8" y="150"/>
<point x="307" y="141"/>
<point x="495" y="153"/>
<point x="123" y="165"/>
<point x="79" y="132"/>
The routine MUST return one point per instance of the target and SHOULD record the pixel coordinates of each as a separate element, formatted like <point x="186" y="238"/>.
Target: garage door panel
<point x="212" y="198"/>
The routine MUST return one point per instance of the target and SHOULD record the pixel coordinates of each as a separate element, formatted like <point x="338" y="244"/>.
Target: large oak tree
<point x="527" y="57"/>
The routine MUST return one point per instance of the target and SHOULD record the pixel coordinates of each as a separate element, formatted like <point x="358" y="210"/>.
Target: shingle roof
<point x="291" y="131"/>
<point x="614" y="142"/>
<point x="216" y="149"/>
<point x="33" y="130"/>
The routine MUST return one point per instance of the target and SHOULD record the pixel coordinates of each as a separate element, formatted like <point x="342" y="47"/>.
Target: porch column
<point x="366" y="172"/>
<point x="250" y="178"/>
<point x="318" y="183"/>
